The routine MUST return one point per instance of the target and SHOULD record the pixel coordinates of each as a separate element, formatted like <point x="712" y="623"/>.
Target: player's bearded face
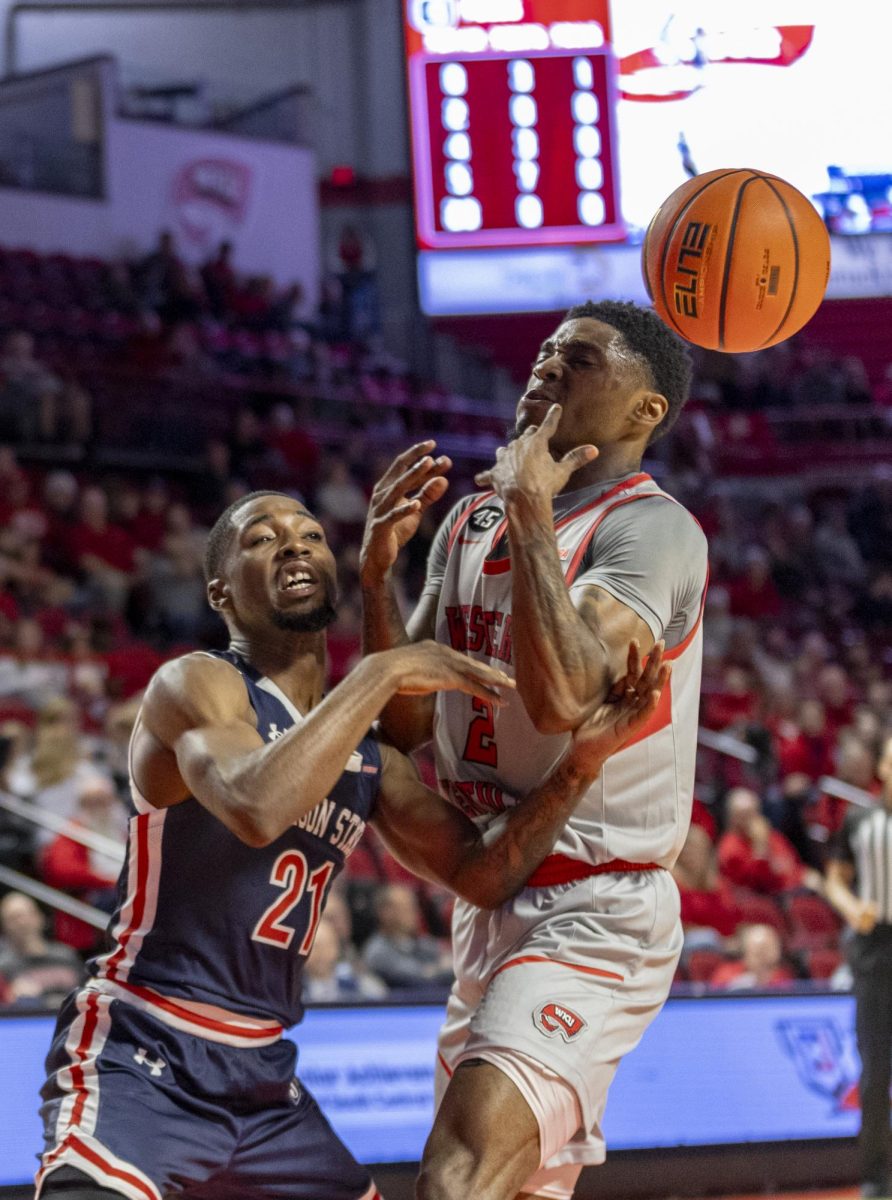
<point x="314" y="621"/>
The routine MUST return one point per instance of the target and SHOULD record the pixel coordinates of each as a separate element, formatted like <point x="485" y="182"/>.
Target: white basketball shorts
<point x="570" y="977"/>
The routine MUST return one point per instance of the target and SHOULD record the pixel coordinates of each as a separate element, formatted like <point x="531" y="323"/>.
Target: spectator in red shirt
<point x="760" y="966"/>
<point x="734" y="702"/>
<point x="806" y="747"/>
<point x="87" y="874"/>
<point x="835" y="693"/>
<point x="755" y="856"/>
<point x="706" y="899"/>
<point x="104" y="553"/>
<point x="753" y="594"/>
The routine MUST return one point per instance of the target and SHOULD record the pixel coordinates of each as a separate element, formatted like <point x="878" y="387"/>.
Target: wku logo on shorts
<point x="553" y="1018"/>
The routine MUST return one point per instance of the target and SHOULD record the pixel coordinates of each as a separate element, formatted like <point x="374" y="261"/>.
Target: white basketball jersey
<point x="639" y="807"/>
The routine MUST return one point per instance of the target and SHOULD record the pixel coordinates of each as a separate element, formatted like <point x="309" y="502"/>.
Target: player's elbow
<point x="481" y="888"/>
<point x="556" y="715"/>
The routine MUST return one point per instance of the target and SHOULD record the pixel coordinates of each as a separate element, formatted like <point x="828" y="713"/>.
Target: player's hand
<point x="632" y="702"/>
<point x="527" y="466"/>
<point x="410" y="485"/>
<point x="863" y="916"/>
<point x="426" y="667"/>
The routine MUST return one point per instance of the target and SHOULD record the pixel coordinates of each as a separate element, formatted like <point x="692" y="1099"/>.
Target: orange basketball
<point x="736" y="260"/>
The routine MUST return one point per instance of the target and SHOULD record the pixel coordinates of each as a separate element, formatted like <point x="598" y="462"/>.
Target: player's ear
<point x="650" y="409"/>
<point x="218" y="594"/>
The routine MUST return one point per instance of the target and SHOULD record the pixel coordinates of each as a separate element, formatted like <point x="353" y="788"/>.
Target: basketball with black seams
<point x="736" y="260"/>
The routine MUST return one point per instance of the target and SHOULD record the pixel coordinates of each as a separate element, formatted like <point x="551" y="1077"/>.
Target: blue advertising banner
<point x="708" y="1072"/>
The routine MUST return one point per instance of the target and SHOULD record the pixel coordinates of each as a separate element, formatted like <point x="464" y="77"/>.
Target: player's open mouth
<point x="297" y="581"/>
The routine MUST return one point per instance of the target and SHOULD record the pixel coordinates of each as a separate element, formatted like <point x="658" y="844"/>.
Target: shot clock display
<point x="513" y="125"/>
<point x="546" y="134"/>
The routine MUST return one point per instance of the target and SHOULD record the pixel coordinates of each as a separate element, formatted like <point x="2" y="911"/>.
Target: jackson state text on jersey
<point x="203" y="917"/>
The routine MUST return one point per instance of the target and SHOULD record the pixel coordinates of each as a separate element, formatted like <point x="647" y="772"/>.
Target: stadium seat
<point x="811" y="921"/>
<point x="756" y="909"/>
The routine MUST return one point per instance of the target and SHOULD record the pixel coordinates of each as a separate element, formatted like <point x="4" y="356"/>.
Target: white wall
<point x="203" y="186"/>
<point x="349" y="53"/>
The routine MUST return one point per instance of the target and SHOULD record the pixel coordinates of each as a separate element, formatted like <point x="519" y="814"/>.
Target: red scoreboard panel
<point x="513" y="123"/>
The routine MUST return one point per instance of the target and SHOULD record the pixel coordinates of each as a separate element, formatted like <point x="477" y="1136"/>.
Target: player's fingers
<point x="483" y="479"/>
<point x="551" y="420"/>
<point x="654" y="664"/>
<point x="397" y="513"/>
<point x="403" y="461"/>
<point x="633" y="660"/>
<point x="579" y="456"/>
<point x="432" y="491"/>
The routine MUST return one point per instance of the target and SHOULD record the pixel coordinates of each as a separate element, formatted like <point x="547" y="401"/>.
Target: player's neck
<point x="295" y="662"/>
<point x="613" y="462"/>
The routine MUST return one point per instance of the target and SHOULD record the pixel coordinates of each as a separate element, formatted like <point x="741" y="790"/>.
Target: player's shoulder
<point x="191" y="677"/>
<point x="658" y="512"/>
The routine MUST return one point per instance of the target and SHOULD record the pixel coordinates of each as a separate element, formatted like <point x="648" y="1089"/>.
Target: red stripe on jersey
<point x="557" y="962"/>
<point x="677" y="651"/>
<point x="498" y="566"/>
<point x="624" y="486"/>
<point x="77" y="1069"/>
<point x="560" y="868"/>
<point x="660" y="718"/>
<point x="445" y="1065"/>
<point x="590" y="533"/>
<point x="187" y="1014"/>
<point x="139" y="898"/>
<point x="463" y="519"/>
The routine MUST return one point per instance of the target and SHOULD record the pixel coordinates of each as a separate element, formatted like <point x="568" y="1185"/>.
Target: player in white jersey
<point x="550" y="580"/>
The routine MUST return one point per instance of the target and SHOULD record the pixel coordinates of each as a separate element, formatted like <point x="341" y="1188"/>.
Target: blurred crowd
<point x="101" y="580"/>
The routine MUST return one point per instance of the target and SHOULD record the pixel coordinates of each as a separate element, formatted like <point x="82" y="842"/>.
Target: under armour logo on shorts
<point x="553" y="1018"/>
<point x="294" y="1091"/>
<point x="142" y="1057"/>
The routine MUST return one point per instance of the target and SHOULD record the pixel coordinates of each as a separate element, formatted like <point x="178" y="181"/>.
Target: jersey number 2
<point x="480" y="746"/>
<point x="290" y="871"/>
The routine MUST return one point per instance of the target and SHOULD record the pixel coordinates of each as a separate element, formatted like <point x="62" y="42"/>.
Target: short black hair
<point x="221" y="532"/>
<point x="665" y="355"/>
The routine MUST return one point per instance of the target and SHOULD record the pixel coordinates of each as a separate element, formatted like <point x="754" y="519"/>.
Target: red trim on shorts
<point x="445" y="1065"/>
<point x="557" y="962"/>
<point x="194" y="1018"/>
<point x="77" y="1069"/>
<point x="116" y="1173"/>
<point x="559" y="868"/>
<point x="73" y="1142"/>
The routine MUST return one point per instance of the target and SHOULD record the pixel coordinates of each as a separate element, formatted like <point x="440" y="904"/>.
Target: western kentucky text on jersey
<point x="480" y="630"/>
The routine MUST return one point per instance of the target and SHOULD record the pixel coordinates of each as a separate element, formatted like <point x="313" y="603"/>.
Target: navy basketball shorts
<point x="150" y="1111"/>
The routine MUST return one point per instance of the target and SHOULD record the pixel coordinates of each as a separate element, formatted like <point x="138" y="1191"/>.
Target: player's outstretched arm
<point x="197" y="709"/>
<point x="412" y="483"/>
<point x="565" y="660"/>
<point x="433" y="839"/>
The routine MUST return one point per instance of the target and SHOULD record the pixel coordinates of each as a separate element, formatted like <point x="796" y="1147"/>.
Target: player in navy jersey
<point x="168" y="1074"/>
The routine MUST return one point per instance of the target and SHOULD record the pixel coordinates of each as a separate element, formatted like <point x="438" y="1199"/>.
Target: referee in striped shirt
<point x="859" y="885"/>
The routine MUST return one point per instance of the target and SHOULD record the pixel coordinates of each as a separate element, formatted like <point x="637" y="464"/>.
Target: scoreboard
<point x="513" y="109"/>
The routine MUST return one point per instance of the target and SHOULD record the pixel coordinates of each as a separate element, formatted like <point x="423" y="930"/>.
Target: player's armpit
<point x="615" y="626"/>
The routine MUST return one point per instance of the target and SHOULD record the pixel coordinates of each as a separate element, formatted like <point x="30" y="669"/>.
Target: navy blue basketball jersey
<point x="213" y="932"/>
